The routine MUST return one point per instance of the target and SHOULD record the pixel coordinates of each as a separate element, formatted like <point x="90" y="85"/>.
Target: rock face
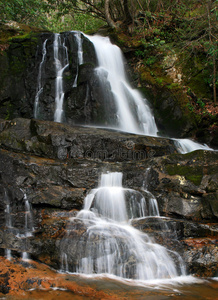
<point x="55" y="165"/>
<point x="30" y="72"/>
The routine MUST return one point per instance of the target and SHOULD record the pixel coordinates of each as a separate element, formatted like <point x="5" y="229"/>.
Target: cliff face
<point x="55" y="165"/>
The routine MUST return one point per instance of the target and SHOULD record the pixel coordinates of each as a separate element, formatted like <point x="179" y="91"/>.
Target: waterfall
<point x="21" y="233"/>
<point x="8" y="221"/>
<point x="187" y="145"/>
<point x="152" y="204"/>
<point x="133" y="112"/>
<point x="79" y="54"/>
<point x="112" y="245"/>
<point x="28" y="226"/>
<point x="61" y="63"/>
<point x="39" y="89"/>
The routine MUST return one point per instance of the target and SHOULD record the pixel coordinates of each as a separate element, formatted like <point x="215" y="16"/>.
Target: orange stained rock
<point x="200" y="242"/>
<point x="21" y="280"/>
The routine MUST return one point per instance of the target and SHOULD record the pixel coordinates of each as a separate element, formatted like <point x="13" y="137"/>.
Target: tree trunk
<point x="209" y="7"/>
<point x="214" y="78"/>
<point x="128" y="17"/>
<point x="109" y="20"/>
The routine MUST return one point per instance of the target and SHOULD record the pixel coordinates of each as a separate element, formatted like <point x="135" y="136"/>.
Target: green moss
<point x="196" y="179"/>
<point x="194" y="174"/>
<point x="173" y="86"/>
<point x="9" y="115"/>
<point x="196" y="75"/>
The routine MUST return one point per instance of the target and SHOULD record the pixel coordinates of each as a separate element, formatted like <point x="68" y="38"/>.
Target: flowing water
<point x="39" y="90"/>
<point x="112" y="245"/>
<point x="28" y="226"/>
<point x="61" y="63"/>
<point x="21" y="233"/>
<point x="8" y="221"/>
<point x="79" y="54"/>
<point x="187" y="145"/>
<point x="133" y="113"/>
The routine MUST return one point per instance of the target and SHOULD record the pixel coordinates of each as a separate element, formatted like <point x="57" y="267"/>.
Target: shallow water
<point x="104" y="287"/>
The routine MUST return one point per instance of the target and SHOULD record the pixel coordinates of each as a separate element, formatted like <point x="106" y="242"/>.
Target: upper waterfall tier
<point x="89" y="86"/>
<point x="132" y="110"/>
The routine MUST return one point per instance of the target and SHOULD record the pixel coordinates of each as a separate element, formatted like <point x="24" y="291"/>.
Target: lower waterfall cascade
<point x="112" y="245"/>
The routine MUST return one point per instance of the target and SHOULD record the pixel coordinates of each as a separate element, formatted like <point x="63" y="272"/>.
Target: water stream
<point x="40" y="78"/>
<point x="20" y="233"/>
<point x="8" y="221"/>
<point x="112" y="245"/>
<point x="28" y="226"/>
<point x="132" y="114"/>
<point x="79" y="54"/>
<point x="61" y="63"/>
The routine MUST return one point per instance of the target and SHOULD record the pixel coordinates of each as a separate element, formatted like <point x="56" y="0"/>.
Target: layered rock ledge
<point x="55" y="165"/>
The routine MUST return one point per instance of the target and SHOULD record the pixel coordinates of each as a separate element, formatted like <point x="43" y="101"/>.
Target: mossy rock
<point x="193" y="174"/>
<point x="193" y="166"/>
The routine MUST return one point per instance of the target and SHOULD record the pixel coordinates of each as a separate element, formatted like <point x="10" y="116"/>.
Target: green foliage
<point x="190" y="107"/>
<point x="82" y="22"/>
<point x="150" y="60"/>
<point x="52" y="15"/>
<point x="31" y="12"/>
<point x="200" y="103"/>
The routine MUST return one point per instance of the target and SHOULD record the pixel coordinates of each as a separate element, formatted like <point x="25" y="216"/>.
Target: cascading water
<point x="21" y="233"/>
<point x="112" y="245"/>
<point x="133" y="112"/>
<point x="152" y="201"/>
<point x="187" y="145"/>
<point x="28" y="226"/>
<point x="8" y="221"/>
<point x="61" y="63"/>
<point x="79" y="54"/>
<point x="39" y="81"/>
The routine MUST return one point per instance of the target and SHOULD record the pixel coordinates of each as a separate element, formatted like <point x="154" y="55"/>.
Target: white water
<point x="127" y="100"/>
<point x="187" y="145"/>
<point x="133" y="112"/>
<point x="153" y="209"/>
<point x="61" y="63"/>
<point x="28" y="226"/>
<point x="8" y="220"/>
<point x="79" y="54"/>
<point x="28" y="218"/>
<point x="113" y="246"/>
<point x="39" y="89"/>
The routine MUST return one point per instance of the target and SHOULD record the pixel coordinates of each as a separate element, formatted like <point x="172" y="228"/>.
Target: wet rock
<point x="201" y="256"/>
<point x="54" y="140"/>
<point x="56" y="165"/>
<point x="195" y="242"/>
<point x="181" y="184"/>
